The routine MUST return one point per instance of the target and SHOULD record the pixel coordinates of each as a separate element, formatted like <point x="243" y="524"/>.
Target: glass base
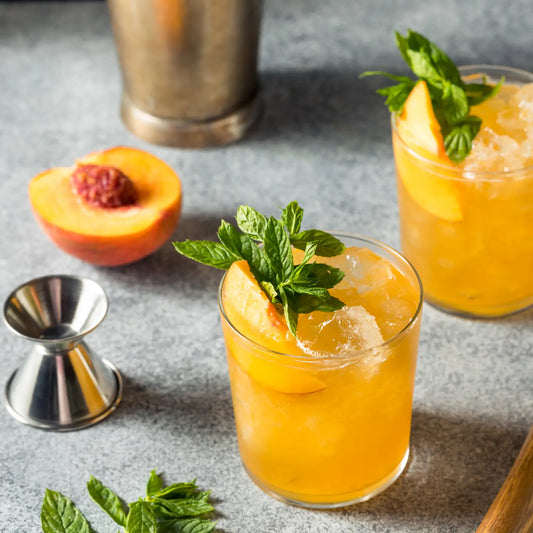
<point x="487" y="313"/>
<point x="341" y="500"/>
<point x="189" y="133"/>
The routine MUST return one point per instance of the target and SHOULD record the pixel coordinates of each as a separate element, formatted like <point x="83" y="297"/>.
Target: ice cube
<point x="363" y="270"/>
<point x="344" y="332"/>
<point x="397" y="313"/>
<point x="505" y="141"/>
<point x="491" y="151"/>
<point x="524" y="95"/>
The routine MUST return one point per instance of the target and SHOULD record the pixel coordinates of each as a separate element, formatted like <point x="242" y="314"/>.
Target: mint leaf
<point x="270" y="291"/>
<point x="179" y="508"/>
<point x="458" y="138"/>
<point x="290" y="310"/>
<point x="318" y="275"/>
<point x="176" y="490"/>
<point x="395" y="77"/>
<point x="60" y="515"/>
<point x="154" y="485"/>
<point x="230" y="238"/>
<point x="450" y="96"/>
<point x="187" y="525"/>
<point x="477" y="93"/>
<point x="426" y="60"/>
<point x="251" y="222"/>
<point x="199" y="495"/>
<point x="208" y="253"/>
<point x="141" y="518"/>
<point x="107" y="500"/>
<point x="310" y="251"/>
<point x="327" y="244"/>
<point x="291" y="217"/>
<point x="278" y="250"/>
<point x="404" y="46"/>
<point x="397" y="95"/>
<point x="421" y="64"/>
<point x="244" y="247"/>
<point x="319" y="300"/>
<point x="453" y="107"/>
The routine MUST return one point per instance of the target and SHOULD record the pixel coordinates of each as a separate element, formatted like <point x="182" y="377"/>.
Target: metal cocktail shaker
<point x="189" y="68"/>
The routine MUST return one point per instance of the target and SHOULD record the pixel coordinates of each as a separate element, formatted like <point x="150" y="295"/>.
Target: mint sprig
<point x="178" y="508"/>
<point x="451" y="97"/>
<point x="266" y="244"/>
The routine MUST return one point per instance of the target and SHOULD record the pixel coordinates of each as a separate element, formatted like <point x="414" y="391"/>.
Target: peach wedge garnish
<point x="418" y="127"/>
<point x="251" y="313"/>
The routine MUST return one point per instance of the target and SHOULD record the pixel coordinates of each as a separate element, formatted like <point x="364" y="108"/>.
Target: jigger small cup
<point x="61" y="385"/>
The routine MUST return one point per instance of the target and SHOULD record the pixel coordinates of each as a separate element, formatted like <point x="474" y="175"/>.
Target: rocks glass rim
<point x="452" y="172"/>
<point x="404" y="265"/>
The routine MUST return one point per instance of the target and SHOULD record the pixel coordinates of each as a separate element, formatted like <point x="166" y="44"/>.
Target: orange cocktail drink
<point x="468" y="228"/>
<point x="327" y="423"/>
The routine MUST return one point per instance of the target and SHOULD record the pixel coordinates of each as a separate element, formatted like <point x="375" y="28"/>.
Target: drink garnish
<point x="451" y="96"/>
<point x="180" y="507"/>
<point x="266" y="244"/>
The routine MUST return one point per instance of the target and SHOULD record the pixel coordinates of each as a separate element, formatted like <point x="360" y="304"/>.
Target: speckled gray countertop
<point x="324" y="140"/>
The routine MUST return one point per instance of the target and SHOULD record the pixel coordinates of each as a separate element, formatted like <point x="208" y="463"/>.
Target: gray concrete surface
<point x="323" y="140"/>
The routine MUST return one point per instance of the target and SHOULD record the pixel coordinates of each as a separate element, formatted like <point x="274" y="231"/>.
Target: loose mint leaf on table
<point x="176" y="490"/>
<point x="60" y="515"/>
<point x="187" y="525"/>
<point x="451" y="96"/>
<point x="141" y="518"/>
<point x="266" y="244"/>
<point x="107" y="500"/>
<point x="180" y="507"/>
<point x="154" y="485"/>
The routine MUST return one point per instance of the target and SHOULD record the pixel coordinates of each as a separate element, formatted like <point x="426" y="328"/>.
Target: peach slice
<point x="418" y="127"/>
<point x="109" y="236"/>
<point x="250" y="312"/>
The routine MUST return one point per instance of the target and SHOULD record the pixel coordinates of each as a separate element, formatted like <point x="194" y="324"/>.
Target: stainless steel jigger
<point x="61" y="384"/>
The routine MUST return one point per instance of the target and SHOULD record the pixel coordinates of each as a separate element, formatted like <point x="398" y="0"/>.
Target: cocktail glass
<point x="330" y="430"/>
<point x="469" y="233"/>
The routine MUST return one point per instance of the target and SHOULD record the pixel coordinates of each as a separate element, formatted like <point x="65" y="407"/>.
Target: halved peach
<point x="251" y="313"/>
<point x="419" y="129"/>
<point x="109" y="236"/>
